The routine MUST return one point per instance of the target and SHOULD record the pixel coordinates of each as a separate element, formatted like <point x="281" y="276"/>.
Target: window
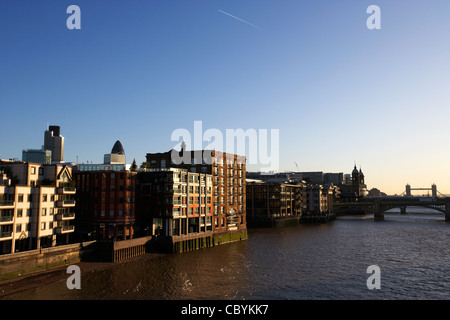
<point x="18" y="227"/>
<point x="19" y="213"/>
<point x="33" y="170"/>
<point x="44" y="198"/>
<point x="41" y="171"/>
<point x="28" y="212"/>
<point x="50" y="225"/>
<point x="20" y="198"/>
<point x="44" y="211"/>
<point x="111" y="213"/>
<point x="43" y="226"/>
<point x="52" y="211"/>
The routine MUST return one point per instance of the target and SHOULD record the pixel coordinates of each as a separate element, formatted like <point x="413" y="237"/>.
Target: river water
<point x="327" y="261"/>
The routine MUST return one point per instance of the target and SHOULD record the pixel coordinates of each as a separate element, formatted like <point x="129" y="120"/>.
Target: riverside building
<point x="175" y="206"/>
<point x="36" y="205"/>
<point x="106" y="198"/>
<point x="273" y="204"/>
<point x="228" y="197"/>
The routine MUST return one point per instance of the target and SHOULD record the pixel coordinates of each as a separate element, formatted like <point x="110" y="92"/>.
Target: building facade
<point x="174" y="204"/>
<point x="228" y="173"/>
<point x="36" y="205"/>
<point x="54" y="142"/>
<point x="105" y="199"/>
<point x="319" y="199"/>
<point x="105" y="204"/>
<point x="37" y="155"/>
<point x="353" y="187"/>
<point x="268" y="204"/>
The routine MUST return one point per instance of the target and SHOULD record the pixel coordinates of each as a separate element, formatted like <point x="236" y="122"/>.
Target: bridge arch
<point x="438" y="208"/>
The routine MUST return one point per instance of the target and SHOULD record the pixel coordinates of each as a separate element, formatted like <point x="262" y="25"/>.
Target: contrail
<point x="240" y="19"/>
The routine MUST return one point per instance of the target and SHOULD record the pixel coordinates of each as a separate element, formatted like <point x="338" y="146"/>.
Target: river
<point x="325" y="262"/>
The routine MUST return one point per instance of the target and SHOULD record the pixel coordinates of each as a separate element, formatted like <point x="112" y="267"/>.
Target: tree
<point x="374" y="192"/>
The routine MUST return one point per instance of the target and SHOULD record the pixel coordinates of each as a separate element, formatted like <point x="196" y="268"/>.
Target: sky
<point x="338" y="92"/>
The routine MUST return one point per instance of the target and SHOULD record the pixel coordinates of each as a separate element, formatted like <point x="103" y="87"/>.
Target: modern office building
<point x="117" y="155"/>
<point x="54" y="142"/>
<point x="37" y="155"/>
<point x="36" y="205"/>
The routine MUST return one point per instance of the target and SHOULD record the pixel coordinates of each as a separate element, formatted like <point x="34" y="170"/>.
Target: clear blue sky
<point x="137" y="70"/>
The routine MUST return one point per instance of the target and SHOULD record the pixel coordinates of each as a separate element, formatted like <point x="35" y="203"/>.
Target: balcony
<point x="6" y="203"/>
<point x="65" y="203"/>
<point x="5" y="234"/>
<point x="66" y="190"/>
<point x="64" y="229"/>
<point x="65" y="216"/>
<point x="6" y="219"/>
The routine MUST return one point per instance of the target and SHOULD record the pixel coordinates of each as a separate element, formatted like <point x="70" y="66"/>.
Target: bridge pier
<point x="378" y="214"/>
<point x="403" y="210"/>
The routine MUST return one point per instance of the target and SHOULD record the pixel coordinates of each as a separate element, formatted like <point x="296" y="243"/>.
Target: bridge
<point x="378" y="205"/>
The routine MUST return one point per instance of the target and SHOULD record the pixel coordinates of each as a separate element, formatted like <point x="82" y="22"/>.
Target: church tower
<point x="356" y="182"/>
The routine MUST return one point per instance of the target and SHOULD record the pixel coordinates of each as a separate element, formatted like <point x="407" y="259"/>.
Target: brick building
<point x="270" y="204"/>
<point x="106" y="198"/>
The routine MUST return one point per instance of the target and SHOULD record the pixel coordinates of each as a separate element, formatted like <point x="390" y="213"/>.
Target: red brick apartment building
<point x="106" y="198"/>
<point x="105" y="203"/>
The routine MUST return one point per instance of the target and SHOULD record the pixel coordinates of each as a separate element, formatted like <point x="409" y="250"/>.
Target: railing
<point x="5" y="234"/>
<point x="6" y="203"/>
<point x="65" y="215"/>
<point x="69" y="215"/>
<point x="6" y="218"/>
<point x="65" y="228"/>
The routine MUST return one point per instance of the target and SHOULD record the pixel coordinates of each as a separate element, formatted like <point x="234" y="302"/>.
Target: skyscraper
<point x="54" y="142"/>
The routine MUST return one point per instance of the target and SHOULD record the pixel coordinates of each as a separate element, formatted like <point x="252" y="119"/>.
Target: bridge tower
<point x="433" y="191"/>
<point x="408" y="190"/>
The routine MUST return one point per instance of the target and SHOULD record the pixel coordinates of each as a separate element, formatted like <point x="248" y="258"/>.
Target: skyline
<point x="338" y="92"/>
